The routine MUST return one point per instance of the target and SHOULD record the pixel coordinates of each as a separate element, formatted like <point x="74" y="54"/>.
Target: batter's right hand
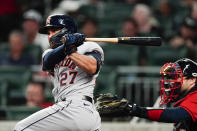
<point x="75" y="39"/>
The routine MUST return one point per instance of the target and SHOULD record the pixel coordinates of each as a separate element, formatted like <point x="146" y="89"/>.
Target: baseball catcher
<point x="177" y="86"/>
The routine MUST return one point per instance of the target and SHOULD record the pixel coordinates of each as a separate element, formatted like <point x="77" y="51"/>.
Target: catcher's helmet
<point x="59" y="21"/>
<point x="172" y="78"/>
<point x="189" y="67"/>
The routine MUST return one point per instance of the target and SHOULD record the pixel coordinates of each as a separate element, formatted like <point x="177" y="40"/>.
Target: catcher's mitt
<point x="109" y="105"/>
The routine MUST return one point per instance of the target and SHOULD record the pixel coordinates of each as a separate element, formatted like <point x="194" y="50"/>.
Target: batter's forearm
<point x="53" y="57"/>
<point x="86" y="63"/>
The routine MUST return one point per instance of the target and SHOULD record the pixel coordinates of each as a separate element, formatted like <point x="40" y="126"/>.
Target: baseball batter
<point x="73" y="66"/>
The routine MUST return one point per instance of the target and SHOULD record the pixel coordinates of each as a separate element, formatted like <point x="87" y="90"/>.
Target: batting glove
<point x="76" y="39"/>
<point x="72" y="41"/>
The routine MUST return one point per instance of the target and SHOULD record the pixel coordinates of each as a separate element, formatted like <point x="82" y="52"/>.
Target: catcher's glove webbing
<point x="109" y="105"/>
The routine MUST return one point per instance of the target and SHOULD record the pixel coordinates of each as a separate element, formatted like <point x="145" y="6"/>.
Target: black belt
<point x="87" y="98"/>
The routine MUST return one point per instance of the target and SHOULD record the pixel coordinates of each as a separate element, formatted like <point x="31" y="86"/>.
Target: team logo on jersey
<point x="67" y="62"/>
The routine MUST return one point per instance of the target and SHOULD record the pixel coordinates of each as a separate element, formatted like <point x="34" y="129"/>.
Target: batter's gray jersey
<point x="71" y="112"/>
<point x="71" y="81"/>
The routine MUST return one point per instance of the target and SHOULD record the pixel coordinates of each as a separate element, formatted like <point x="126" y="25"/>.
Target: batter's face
<point x="52" y="32"/>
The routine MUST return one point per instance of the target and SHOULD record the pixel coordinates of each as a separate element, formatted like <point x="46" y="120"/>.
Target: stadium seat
<point x="17" y="79"/>
<point x="19" y="112"/>
<point x="116" y="55"/>
<point x="35" y="51"/>
<point x="105" y="82"/>
<point x="108" y="28"/>
<point x="89" y="11"/>
<point x="109" y="16"/>
<point x="4" y="47"/>
<point x="115" y="14"/>
<point x="118" y="11"/>
<point x="157" y="56"/>
<point x="48" y="95"/>
<point x="167" y="26"/>
<point x="3" y="93"/>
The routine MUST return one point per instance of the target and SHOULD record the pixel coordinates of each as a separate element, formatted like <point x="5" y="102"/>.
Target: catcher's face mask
<point x="171" y="82"/>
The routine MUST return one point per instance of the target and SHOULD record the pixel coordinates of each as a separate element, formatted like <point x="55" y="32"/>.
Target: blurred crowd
<point x="175" y="21"/>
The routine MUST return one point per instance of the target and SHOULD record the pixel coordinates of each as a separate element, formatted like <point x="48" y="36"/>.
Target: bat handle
<point x="108" y="40"/>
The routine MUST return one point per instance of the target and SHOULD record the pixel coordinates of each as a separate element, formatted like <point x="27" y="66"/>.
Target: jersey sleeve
<point x="190" y="105"/>
<point x="94" y="50"/>
<point x="90" y="47"/>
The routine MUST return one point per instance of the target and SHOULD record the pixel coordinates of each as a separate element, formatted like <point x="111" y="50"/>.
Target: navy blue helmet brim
<point x="44" y="29"/>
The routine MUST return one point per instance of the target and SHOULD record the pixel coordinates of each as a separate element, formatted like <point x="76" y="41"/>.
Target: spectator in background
<point x="35" y="96"/>
<point x="16" y="55"/>
<point x="186" y="36"/>
<point x="89" y="27"/>
<point x="194" y="11"/>
<point x="147" y="24"/>
<point x="39" y="5"/>
<point x="66" y="7"/>
<point x="130" y="1"/>
<point x="164" y="14"/>
<point x="31" y="25"/>
<point x="94" y="2"/>
<point x="9" y="18"/>
<point x="129" y="28"/>
<point x="189" y="3"/>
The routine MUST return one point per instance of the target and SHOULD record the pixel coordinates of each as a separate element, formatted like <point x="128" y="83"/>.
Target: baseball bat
<point x="140" y="41"/>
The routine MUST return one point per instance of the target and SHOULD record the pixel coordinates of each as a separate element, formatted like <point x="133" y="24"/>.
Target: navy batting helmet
<point x="59" y="21"/>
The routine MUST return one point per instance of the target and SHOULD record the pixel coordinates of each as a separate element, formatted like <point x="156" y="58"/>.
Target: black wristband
<point x="139" y="111"/>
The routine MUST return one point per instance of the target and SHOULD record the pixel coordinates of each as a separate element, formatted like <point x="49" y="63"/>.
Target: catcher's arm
<point x="109" y="105"/>
<point x="168" y="115"/>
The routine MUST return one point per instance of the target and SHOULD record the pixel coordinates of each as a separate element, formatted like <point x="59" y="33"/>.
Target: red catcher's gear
<point x="171" y="82"/>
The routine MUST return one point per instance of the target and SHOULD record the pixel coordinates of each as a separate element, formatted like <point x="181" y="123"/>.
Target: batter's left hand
<point x="72" y="41"/>
<point x="76" y="39"/>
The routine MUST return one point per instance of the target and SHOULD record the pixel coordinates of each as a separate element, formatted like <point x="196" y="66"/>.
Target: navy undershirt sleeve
<point x="53" y="57"/>
<point x="168" y="115"/>
<point x="174" y="115"/>
<point x="97" y="56"/>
